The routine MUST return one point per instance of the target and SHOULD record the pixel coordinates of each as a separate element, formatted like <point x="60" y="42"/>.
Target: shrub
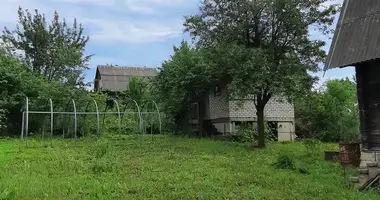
<point x="247" y="133"/>
<point x="284" y="161"/>
<point x="3" y="122"/>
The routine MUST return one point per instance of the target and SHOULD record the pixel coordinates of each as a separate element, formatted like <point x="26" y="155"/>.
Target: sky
<point x="128" y="32"/>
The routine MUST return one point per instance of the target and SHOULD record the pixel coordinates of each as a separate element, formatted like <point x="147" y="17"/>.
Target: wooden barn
<point x="356" y="43"/>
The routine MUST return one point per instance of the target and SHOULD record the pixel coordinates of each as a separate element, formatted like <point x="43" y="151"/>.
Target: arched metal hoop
<point x="70" y="111"/>
<point x="51" y="121"/>
<point x="138" y="113"/>
<point x="118" y="114"/>
<point x="97" y="116"/>
<point x="154" y="106"/>
<point x="75" y="118"/>
<point x="25" y="122"/>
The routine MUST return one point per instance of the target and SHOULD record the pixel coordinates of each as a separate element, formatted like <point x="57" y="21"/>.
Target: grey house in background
<point x="115" y="78"/>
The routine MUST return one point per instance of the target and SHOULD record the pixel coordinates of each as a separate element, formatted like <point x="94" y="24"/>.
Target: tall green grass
<point x="166" y="167"/>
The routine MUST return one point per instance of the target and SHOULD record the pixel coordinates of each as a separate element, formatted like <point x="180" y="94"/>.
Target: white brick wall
<point x="218" y="106"/>
<point x="275" y="110"/>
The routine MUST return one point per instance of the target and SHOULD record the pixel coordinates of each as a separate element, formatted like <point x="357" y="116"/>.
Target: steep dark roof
<point x="357" y="35"/>
<point x="116" y="78"/>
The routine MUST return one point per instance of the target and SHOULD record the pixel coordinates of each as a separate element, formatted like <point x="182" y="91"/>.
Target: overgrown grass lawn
<point x="166" y="167"/>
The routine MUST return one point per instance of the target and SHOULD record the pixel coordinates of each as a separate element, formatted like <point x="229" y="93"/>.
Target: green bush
<point x="329" y="114"/>
<point x="247" y="133"/>
<point x="3" y="122"/>
<point x="284" y="161"/>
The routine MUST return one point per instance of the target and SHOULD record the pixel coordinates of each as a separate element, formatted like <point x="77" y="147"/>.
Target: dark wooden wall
<point x="368" y="92"/>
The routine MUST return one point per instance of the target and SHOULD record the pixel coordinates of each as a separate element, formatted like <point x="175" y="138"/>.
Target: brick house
<point x="227" y="114"/>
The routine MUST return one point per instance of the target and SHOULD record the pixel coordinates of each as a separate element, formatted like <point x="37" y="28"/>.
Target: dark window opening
<point x="250" y="123"/>
<point x="217" y="91"/>
<point x="194" y="111"/>
<point x="273" y="131"/>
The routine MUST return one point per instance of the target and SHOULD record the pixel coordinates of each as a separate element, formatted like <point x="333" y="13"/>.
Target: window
<point x="217" y="91"/>
<point x="194" y="111"/>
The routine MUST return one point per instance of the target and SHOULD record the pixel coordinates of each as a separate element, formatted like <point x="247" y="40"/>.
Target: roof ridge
<point x="130" y="67"/>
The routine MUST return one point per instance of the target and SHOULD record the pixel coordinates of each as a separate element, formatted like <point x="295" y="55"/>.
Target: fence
<point x="143" y="112"/>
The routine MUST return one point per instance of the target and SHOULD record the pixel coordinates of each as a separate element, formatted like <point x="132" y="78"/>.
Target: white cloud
<point x="132" y="31"/>
<point x="98" y="2"/>
<point x="107" y="20"/>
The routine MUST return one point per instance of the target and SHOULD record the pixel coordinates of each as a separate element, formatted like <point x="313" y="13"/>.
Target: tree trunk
<point x="260" y="125"/>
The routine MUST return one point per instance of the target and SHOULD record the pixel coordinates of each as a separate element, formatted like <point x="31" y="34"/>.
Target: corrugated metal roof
<point x="126" y="71"/>
<point x="357" y="35"/>
<point x="116" y="78"/>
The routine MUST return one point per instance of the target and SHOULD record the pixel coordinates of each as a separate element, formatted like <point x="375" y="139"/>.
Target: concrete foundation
<point x="368" y="171"/>
<point x="369" y="157"/>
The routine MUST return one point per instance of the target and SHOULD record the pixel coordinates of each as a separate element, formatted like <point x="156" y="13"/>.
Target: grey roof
<point x="357" y="35"/>
<point x="126" y="71"/>
<point x="116" y="78"/>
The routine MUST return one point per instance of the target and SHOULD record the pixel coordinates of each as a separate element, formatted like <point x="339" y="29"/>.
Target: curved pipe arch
<point x="26" y="122"/>
<point x="97" y="116"/>
<point x="75" y="118"/>
<point x="158" y="112"/>
<point x="118" y="113"/>
<point x="138" y="112"/>
<point x="159" y="116"/>
<point x="51" y="121"/>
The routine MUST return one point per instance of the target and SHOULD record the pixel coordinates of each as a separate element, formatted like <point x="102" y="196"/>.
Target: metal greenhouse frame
<point x="71" y="111"/>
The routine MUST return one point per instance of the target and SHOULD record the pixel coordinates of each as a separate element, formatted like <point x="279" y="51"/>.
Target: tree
<point x="329" y="114"/>
<point x="182" y="81"/>
<point x="137" y="89"/>
<point x="262" y="47"/>
<point x="53" y="50"/>
<point x="17" y="82"/>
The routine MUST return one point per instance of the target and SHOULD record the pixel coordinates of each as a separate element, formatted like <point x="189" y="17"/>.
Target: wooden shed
<point x="356" y="43"/>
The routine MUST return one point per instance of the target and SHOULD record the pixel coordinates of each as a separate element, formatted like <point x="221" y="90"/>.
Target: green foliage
<point x="182" y="81"/>
<point x="247" y="133"/>
<point x="138" y="90"/>
<point x="261" y="47"/>
<point x="312" y="146"/>
<point x="53" y="50"/>
<point x="19" y="82"/>
<point x="166" y="167"/>
<point x="330" y="114"/>
<point x="3" y="121"/>
<point x="284" y="161"/>
<point x="50" y="66"/>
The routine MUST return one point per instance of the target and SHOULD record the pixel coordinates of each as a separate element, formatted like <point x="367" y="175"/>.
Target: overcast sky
<point x="126" y="32"/>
